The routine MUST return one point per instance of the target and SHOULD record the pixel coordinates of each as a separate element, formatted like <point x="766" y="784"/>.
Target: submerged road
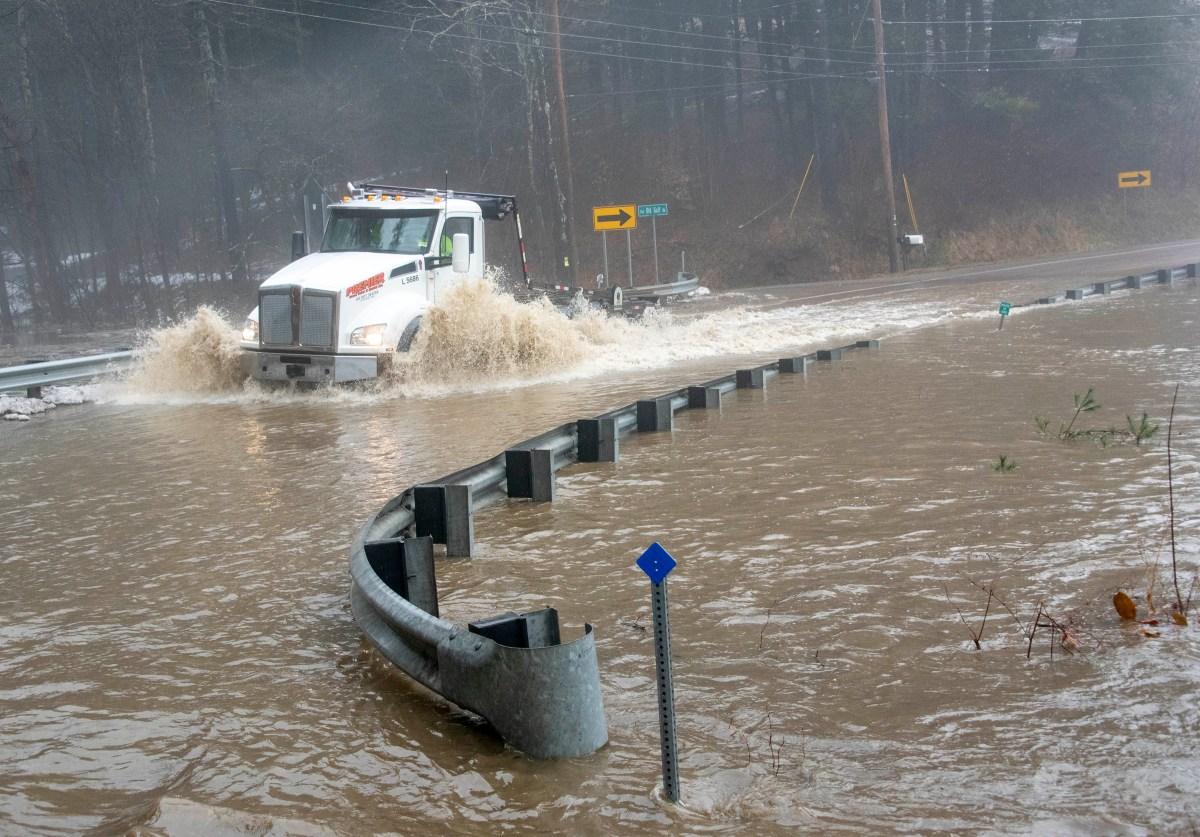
<point x="1079" y="269"/>
<point x="176" y="646"/>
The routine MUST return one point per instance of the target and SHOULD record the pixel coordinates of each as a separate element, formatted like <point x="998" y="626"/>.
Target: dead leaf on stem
<point x="1126" y="609"/>
<point x="1179" y="619"/>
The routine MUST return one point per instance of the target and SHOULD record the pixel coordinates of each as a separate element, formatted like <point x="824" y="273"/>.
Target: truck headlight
<point x="250" y="330"/>
<point x="371" y="335"/>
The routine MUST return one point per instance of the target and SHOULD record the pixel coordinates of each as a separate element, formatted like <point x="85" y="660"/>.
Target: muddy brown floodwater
<point x="177" y="652"/>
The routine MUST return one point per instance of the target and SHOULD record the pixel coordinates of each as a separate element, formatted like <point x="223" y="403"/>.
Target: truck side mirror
<point x="461" y="253"/>
<point x="299" y="247"/>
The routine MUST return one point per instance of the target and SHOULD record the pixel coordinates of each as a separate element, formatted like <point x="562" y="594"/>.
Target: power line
<point x="786" y="74"/>
<point x="1045" y="49"/>
<point x="643" y="28"/>
<point x="1063" y="67"/>
<point x="779" y="75"/>
<point x="726" y="51"/>
<point x="605" y="38"/>
<point x="1111" y="19"/>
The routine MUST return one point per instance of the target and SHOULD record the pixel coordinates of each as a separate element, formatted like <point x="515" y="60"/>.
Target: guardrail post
<point x="1101" y="288"/>
<point x="704" y="398"/>
<point x="597" y="440"/>
<point x="459" y="521"/>
<point x="429" y="512"/>
<point x="34" y="391"/>
<point x="829" y="354"/>
<point x="750" y="378"/>
<point x="867" y="344"/>
<point x="1133" y="282"/>
<point x="1047" y="300"/>
<point x="537" y="629"/>
<point x="1165" y="276"/>
<point x="406" y="567"/>
<point x="530" y="473"/>
<point x="1075" y="293"/>
<point x="655" y="415"/>
<point x="1191" y="270"/>
<point x="793" y="365"/>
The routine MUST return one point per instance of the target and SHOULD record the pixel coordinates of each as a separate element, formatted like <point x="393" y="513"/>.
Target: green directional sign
<point x="1004" y="309"/>
<point x="652" y="210"/>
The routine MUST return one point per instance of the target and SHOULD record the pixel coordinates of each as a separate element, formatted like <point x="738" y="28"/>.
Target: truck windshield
<point x="376" y="231"/>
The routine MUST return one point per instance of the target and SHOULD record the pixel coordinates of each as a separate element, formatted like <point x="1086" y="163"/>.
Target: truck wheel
<point x="409" y="334"/>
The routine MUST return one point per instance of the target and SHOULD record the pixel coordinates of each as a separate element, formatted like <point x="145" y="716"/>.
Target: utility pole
<point x="556" y="43"/>
<point x="885" y="142"/>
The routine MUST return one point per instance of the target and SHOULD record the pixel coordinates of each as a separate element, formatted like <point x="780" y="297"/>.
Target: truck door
<point x="441" y="274"/>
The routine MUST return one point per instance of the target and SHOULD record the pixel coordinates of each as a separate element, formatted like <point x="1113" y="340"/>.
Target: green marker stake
<point x="1004" y="309"/>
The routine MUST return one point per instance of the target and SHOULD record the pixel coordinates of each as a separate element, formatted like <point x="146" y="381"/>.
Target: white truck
<point x="341" y="314"/>
<point x="389" y="253"/>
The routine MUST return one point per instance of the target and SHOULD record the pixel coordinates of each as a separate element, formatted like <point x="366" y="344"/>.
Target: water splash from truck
<point x="478" y="334"/>
<point x="198" y="355"/>
<point x="481" y="337"/>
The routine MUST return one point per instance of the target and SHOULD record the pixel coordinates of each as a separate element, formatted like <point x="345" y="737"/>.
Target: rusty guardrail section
<point x="540" y="694"/>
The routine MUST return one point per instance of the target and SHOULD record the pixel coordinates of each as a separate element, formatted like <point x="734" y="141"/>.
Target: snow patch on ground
<point x="20" y="408"/>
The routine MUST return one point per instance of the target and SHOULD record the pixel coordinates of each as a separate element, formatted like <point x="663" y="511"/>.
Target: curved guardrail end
<point x="544" y="701"/>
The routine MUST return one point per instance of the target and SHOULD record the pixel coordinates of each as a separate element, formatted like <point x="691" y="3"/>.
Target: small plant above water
<point x="1085" y="403"/>
<point x="1136" y="430"/>
<point x="1004" y="465"/>
<point x="1142" y="429"/>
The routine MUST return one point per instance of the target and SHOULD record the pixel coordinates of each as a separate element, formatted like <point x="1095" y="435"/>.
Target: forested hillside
<point x="153" y="144"/>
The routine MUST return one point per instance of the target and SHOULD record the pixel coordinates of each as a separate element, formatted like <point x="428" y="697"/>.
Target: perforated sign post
<point x="657" y="563"/>
<point x="1004" y="309"/>
<point x="654" y="211"/>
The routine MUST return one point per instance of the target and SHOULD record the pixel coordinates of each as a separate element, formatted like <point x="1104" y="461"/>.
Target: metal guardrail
<point x="1166" y="276"/>
<point x="541" y="695"/>
<point x="31" y="377"/>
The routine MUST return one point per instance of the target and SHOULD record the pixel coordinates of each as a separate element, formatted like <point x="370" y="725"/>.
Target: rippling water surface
<point x="176" y="646"/>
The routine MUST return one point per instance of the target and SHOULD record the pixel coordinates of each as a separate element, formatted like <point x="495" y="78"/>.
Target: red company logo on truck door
<point x="365" y="286"/>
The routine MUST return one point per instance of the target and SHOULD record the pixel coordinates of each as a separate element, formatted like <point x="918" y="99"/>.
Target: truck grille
<point x="316" y="321"/>
<point x="275" y="317"/>
<point x="291" y="317"/>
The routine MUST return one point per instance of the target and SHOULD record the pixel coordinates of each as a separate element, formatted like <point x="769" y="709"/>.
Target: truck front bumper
<point x="311" y="368"/>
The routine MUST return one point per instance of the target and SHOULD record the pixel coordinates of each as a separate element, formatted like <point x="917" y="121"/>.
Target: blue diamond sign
<point x="656" y="562"/>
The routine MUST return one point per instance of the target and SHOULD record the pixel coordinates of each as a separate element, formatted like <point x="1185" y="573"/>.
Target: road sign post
<point x="654" y="238"/>
<point x="629" y="253"/>
<point x="653" y="211"/>
<point x="657" y="563"/>
<point x="616" y="217"/>
<point x="604" y="244"/>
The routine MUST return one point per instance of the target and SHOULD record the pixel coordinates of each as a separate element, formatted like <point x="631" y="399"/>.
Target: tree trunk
<point x="956" y="30"/>
<point x="43" y="270"/>
<point x="226" y="196"/>
<point x="7" y="326"/>
<point x="978" y="37"/>
<point x="568" y="212"/>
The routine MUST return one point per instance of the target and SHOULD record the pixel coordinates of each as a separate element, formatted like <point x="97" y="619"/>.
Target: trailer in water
<point x="388" y="254"/>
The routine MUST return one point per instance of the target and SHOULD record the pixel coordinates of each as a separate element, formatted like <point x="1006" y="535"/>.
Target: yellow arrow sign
<point x="1133" y="179"/>
<point x="620" y="217"/>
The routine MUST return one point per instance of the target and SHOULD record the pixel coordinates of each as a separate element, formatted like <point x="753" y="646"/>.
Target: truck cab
<point x="389" y="253"/>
